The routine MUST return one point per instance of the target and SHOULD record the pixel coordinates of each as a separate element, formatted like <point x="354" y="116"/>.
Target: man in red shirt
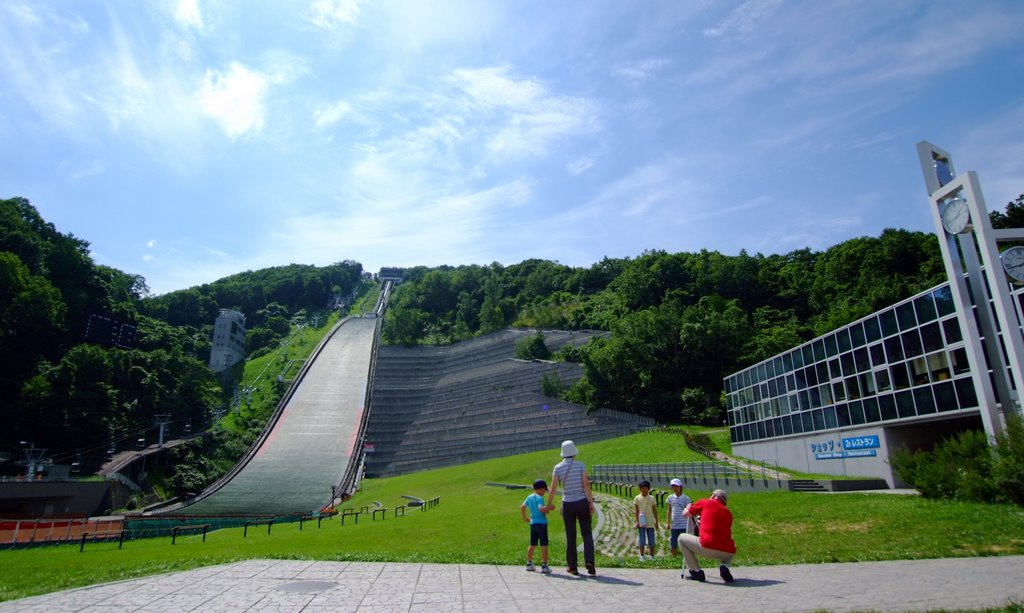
<point x="715" y="540"/>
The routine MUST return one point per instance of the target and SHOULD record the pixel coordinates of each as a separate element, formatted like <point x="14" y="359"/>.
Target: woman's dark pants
<point x="571" y="513"/>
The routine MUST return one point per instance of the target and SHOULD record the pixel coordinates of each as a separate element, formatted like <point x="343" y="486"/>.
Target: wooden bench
<point x="175" y="531"/>
<point x="103" y="535"/>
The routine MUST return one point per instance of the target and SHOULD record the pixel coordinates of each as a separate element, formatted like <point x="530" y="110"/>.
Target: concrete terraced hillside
<point x="442" y="406"/>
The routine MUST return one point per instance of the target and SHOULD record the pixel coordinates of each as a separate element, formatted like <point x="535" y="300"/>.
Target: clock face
<point x="956" y="217"/>
<point x="1013" y="263"/>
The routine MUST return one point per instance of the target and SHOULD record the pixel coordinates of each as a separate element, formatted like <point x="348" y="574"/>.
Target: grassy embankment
<point x="476" y="523"/>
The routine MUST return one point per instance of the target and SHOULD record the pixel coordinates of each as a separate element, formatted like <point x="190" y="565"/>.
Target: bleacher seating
<point x="442" y="406"/>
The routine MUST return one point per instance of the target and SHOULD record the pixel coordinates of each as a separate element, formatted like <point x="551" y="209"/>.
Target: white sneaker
<point x="642" y="558"/>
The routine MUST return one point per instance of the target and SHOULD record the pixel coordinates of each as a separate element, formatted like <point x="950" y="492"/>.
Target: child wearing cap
<point x="538" y="524"/>
<point x="645" y="514"/>
<point x="677" y="522"/>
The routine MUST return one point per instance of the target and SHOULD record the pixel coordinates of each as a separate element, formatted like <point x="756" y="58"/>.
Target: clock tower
<point x="973" y="263"/>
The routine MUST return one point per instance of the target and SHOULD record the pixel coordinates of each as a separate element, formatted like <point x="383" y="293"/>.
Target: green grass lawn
<point x="477" y="523"/>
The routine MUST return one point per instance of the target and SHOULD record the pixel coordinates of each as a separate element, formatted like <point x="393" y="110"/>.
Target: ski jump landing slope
<point x="312" y="441"/>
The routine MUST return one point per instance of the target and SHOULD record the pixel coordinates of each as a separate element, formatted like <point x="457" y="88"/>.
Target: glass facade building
<point x="897" y="378"/>
<point x="902" y="362"/>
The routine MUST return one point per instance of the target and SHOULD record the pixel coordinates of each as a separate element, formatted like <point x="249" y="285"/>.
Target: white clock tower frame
<point x="974" y="248"/>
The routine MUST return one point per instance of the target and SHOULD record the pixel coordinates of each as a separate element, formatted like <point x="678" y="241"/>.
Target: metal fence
<point x="694" y="475"/>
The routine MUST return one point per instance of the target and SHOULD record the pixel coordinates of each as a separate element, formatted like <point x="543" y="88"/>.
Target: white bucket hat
<point x="569" y="449"/>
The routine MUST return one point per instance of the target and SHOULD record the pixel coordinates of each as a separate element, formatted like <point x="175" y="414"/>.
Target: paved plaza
<point x="289" y="585"/>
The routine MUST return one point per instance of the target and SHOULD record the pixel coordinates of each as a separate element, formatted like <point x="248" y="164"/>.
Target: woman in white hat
<point x="577" y="506"/>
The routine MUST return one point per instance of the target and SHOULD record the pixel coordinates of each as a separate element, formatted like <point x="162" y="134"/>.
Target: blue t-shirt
<point x="534" y="503"/>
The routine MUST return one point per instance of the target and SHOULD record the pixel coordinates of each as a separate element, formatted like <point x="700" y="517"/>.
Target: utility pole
<point x="162" y="420"/>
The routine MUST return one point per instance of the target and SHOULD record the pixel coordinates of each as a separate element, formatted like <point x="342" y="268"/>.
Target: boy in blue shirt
<point x="538" y="524"/>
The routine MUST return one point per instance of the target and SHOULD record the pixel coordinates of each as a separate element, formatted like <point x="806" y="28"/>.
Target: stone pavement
<point x="290" y="585"/>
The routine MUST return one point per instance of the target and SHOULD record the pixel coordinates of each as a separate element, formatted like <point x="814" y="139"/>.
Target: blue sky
<point x="190" y="140"/>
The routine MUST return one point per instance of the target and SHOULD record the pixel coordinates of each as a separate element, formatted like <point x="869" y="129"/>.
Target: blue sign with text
<point x="861" y="442"/>
<point x="853" y="447"/>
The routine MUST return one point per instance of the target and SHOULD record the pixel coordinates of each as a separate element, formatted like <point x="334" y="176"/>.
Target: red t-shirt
<point x="715" y="525"/>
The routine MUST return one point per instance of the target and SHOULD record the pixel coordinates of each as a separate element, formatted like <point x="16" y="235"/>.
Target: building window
<point x="951" y="327"/>
<point x="889" y="326"/>
<point x="938" y="364"/>
<point x="924" y="400"/>
<point x="905" y="316"/>
<point x="857" y="413"/>
<point x="900" y="378"/>
<point x="944" y="300"/>
<point x="919" y="368"/>
<point x="847" y="361"/>
<point x="872" y="330"/>
<point x="887" y="404"/>
<point x="959" y="359"/>
<point x="925" y="309"/>
<point x="894" y="349"/>
<point x="882" y="381"/>
<point x="912" y="343"/>
<point x="945" y="396"/>
<point x="843" y="337"/>
<point x="877" y="354"/>
<point x="843" y="415"/>
<point x="965" y="393"/>
<point x="871" y="413"/>
<point x="932" y="337"/>
<point x="905" y="404"/>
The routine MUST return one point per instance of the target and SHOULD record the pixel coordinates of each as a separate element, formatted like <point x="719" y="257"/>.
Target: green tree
<point x="1012" y="218"/>
<point x="533" y="348"/>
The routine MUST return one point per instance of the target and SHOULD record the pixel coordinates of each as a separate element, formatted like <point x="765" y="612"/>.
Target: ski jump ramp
<point x="313" y="443"/>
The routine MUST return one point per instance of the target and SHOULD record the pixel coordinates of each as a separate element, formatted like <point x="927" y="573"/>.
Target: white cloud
<point x="580" y="164"/>
<point x="493" y="87"/>
<point x="327" y="116"/>
<point x="641" y="70"/>
<point x="333" y="14"/>
<point x="645" y="187"/>
<point x="151" y="243"/>
<point x="83" y="169"/>
<point x="414" y="221"/>
<point x="522" y="117"/>
<point x="234" y="99"/>
<point x="744" y="18"/>
<point x="187" y="13"/>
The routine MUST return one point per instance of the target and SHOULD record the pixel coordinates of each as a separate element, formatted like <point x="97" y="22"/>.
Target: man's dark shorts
<point x="539" y="535"/>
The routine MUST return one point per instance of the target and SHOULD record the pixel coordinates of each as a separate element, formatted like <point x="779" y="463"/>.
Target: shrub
<point x="1009" y="467"/>
<point x="960" y="468"/>
<point x="533" y="348"/>
<point x="551" y="385"/>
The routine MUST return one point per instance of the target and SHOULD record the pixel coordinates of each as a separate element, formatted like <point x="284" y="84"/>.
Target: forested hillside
<point x="87" y="356"/>
<point x="679" y="321"/>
